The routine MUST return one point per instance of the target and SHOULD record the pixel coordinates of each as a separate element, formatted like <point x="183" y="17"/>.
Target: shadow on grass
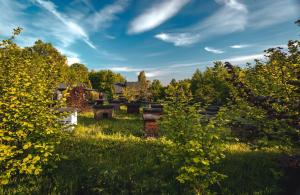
<point x="112" y="165"/>
<point x="250" y="172"/>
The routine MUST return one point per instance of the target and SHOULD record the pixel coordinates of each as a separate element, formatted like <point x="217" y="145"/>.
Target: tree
<point x="196" y="81"/>
<point x="104" y="81"/>
<point x="211" y="86"/>
<point x="29" y="126"/>
<point x="195" y="148"/>
<point x="143" y="85"/>
<point x="52" y="57"/>
<point x="266" y="99"/>
<point x="79" y="75"/>
<point x="156" y="90"/>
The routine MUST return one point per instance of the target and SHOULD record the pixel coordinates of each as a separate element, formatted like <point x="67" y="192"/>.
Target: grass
<point x="113" y="157"/>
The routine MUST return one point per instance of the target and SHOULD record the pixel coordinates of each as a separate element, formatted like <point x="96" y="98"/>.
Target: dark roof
<point x="119" y="86"/>
<point x="131" y="84"/>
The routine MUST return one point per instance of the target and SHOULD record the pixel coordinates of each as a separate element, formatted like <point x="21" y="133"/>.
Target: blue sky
<point x="166" y="38"/>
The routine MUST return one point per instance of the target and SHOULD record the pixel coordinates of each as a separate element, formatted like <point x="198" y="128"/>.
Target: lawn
<point x="113" y="157"/>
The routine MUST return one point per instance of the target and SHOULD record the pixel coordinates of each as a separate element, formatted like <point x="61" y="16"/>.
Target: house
<point x="119" y="87"/>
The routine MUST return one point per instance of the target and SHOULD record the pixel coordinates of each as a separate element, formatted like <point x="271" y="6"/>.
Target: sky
<point x="165" y="38"/>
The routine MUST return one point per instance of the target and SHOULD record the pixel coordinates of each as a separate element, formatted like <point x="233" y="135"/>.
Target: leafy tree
<point x="29" y="126"/>
<point x="52" y="57"/>
<point x="195" y="147"/>
<point x="211" y="85"/>
<point x="268" y="93"/>
<point x="143" y="85"/>
<point x="156" y="90"/>
<point x="104" y="81"/>
<point x="196" y="81"/>
<point x="79" y="75"/>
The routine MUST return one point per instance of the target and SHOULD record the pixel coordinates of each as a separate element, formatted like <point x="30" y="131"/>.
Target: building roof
<point x="119" y="86"/>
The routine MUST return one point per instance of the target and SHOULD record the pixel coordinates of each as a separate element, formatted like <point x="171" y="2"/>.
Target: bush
<point x="28" y="117"/>
<point x="195" y="147"/>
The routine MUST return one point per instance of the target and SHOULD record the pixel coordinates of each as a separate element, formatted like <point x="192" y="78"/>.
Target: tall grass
<point x="113" y="157"/>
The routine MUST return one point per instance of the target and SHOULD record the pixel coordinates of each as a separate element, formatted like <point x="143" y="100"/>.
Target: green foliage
<point x="249" y="172"/>
<point x="143" y="85"/>
<point x="156" y="90"/>
<point x="211" y="86"/>
<point x="29" y="125"/>
<point x="79" y="75"/>
<point x="195" y="147"/>
<point x="112" y="157"/>
<point x="177" y="89"/>
<point x="104" y="81"/>
<point x="266" y="101"/>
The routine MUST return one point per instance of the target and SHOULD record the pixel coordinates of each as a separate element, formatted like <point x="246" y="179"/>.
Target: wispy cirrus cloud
<point x="156" y="15"/>
<point x="12" y="16"/>
<point x="72" y="57"/>
<point x="104" y="17"/>
<point x="234" y="16"/>
<point x="178" y="39"/>
<point x="62" y="28"/>
<point x="244" y="58"/>
<point x="73" y="28"/>
<point x="230" y="18"/>
<point x="239" y="46"/>
<point x="156" y="54"/>
<point x="213" y="50"/>
<point x="269" y="12"/>
<point x="124" y="69"/>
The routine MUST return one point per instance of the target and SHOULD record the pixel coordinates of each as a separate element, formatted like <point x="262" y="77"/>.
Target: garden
<point x="226" y="130"/>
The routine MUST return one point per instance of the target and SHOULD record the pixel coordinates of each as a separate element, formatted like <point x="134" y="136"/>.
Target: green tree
<point x="143" y="85"/>
<point x="265" y="98"/>
<point x="79" y="75"/>
<point x="29" y="126"/>
<point x="211" y="85"/>
<point x="196" y="81"/>
<point x="104" y="81"/>
<point x="196" y="148"/>
<point x="156" y="90"/>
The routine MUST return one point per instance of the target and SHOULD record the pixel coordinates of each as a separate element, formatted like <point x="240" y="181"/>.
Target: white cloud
<point x="244" y="58"/>
<point x="156" y="73"/>
<point x="181" y="39"/>
<point x="72" y="57"/>
<point x="104" y="17"/>
<point x="231" y="17"/>
<point x="213" y="50"/>
<point x="124" y="69"/>
<point x="155" y="54"/>
<point x="270" y="12"/>
<point x="156" y="15"/>
<point x="239" y="46"/>
<point x="72" y="60"/>
<point x="12" y="16"/>
<point x="73" y="28"/>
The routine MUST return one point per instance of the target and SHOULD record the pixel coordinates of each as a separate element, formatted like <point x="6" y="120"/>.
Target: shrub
<point x="28" y="116"/>
<point x="196" y="147"/>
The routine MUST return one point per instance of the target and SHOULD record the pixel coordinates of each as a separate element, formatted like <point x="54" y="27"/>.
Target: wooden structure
<point x="116" y="104"/>
<point x="133" y="108"/>
<point x="151" y="117"/>
<point x="157" y="106"/>
<point x="103" y="112"/>
<point x="70" y="118"/>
